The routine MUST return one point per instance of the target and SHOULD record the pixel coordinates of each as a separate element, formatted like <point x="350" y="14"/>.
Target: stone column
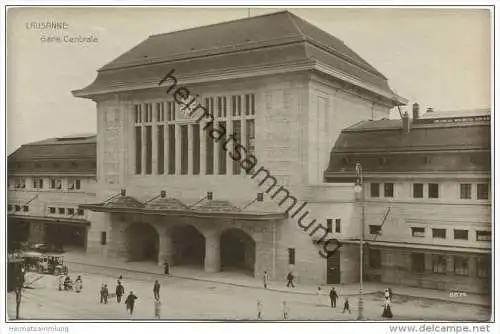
<point x="165" y="248"/>
<point x="212" y="252"/>
<point x="190" y="148"/>
<point x="178" y="148"/>
<point x="216" y="151"/>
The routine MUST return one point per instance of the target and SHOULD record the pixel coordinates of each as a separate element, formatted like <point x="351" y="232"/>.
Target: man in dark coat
<point x="156" y="290"/>
<point x="167" y="267"/>
<point x="347" y="307"/>
<point x="289" y="278"/>
<point x="333" y="297"/>
<point x="120" y="290"/>
<point x="130" y="301"/>
<point x="104" y="294"/>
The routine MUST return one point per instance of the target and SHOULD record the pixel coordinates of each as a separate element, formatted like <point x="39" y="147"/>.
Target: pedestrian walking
<point x="285" y="310"/>
<point x="156" y="290"/>
<point x="166" y="266"/>
<point x="104" y="294"/>
<point x="290" y="278"/>
<point x="347" y="307"/>
<point x="259" y="309"/>
<point x="130" y="301"/>
<point x="157" y="306"/>
<point x="333" y="297"/>
<point x="387" y="313"/>
<point x="119" y="291"/>
<point x="318" y="296"/>
<point x="266" y="279"/>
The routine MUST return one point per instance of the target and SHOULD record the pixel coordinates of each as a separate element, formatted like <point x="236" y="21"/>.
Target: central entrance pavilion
<point x="212" y="235"/>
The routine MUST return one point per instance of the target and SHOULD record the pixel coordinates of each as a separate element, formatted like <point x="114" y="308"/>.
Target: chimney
<point x="416" y="110"/>
<point x="406" y="123"/>
<point x="123" y="192"/>
<point x="163" y="194"/>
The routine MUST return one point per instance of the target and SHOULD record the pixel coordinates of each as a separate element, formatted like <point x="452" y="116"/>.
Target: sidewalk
<point x="241" y="280"/>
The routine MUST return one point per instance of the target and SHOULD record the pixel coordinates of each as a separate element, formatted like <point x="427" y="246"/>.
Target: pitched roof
<point x="256" y="42"/>
<point x="71" y="154"/>
<point x="382" y="146"/>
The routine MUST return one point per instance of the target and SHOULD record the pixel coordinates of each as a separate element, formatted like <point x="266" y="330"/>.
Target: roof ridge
<point x="219" y="23"/>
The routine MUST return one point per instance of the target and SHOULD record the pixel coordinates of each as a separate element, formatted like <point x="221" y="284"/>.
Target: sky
<point x="436" y="57"/>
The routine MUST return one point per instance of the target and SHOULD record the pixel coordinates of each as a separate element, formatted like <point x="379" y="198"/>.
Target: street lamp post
<point x="358" y="189"/>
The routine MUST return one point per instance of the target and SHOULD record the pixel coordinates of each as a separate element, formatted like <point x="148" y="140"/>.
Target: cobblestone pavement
<point x="187" y="299"/>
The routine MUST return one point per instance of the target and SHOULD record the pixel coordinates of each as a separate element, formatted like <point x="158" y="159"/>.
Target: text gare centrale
<point x="70" y="39"/>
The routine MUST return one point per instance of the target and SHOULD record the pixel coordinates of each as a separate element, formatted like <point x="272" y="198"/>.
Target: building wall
<point x="296" y="155"/>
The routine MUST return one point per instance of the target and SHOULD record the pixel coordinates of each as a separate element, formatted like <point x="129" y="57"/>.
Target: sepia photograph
<point x="249" y="164"/>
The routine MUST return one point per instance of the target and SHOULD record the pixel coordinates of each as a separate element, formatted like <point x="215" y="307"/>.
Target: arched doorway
<point x="142" y="242"/>
<point x="188" y="246"/>
<point x="237" y="251"/>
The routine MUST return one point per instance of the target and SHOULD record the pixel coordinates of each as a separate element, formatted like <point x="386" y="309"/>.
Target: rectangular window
<point x="37" y="182"/>
<point x="184" y="149"/>
<point x="9" y="207"/>
<point x="237" y="138"/>
<point x="461" y="264"/>
<point x="77" y="184"/>
<point x="138" y="150"/>
<point x="149" y="150"/>
<point x="52" y="210"/>
<point x="418" y="262"/>
<point x="138" y="113"/>
<point x="375" y="229"/>
<point x="26" y="208"/>
<point x="482" y="191"/>
<point x="81" y="212"/>
<point x="222" y="151"/>
<point x="160" y="112"/>
<point x="433" y="190"/>
<point x="149" y="112"/>
<point x="55" y="183"/>
<point x="252" y="104"/>
<point x="329" y="225"/>
<point x="171" y="149"/>
<point x="103" y="238"/>
<point x="221" y="107"/>
<point x="291" y="255"/>
<point x="461" y="234"/>
<point x="418" y="190"/>
<point x="439" y="264"/>
<point x="418" y="232"/>
<point x="20" y="182"/>
<point x="375" y="189"/>
<point x="17" y="208"/>
<point x="250" y="141"/>
<point x="209" y="147"/>
<point x="71" y="211"/>
<point x="337" y="225"/>
<point x="73" y="184"/>
<point x="483" y="235"/>
<point x="160" y="147"/>
<point x="196" y="148"/>
<point x="439" y="233"/>
<point x="484" y="267"/>
<point x="388" y="189"/>
<point x="247" y="104"/>
<point x="61" y="211"/>
<point x="171" y="111"/>
<point x="375" y="258"/>
<point x="465" y="191"/>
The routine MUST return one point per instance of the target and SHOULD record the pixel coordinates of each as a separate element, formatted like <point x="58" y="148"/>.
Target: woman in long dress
<point x="387" y="309"/>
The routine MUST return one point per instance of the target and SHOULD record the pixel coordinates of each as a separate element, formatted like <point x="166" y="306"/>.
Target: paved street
<point x="188" y="299"/>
